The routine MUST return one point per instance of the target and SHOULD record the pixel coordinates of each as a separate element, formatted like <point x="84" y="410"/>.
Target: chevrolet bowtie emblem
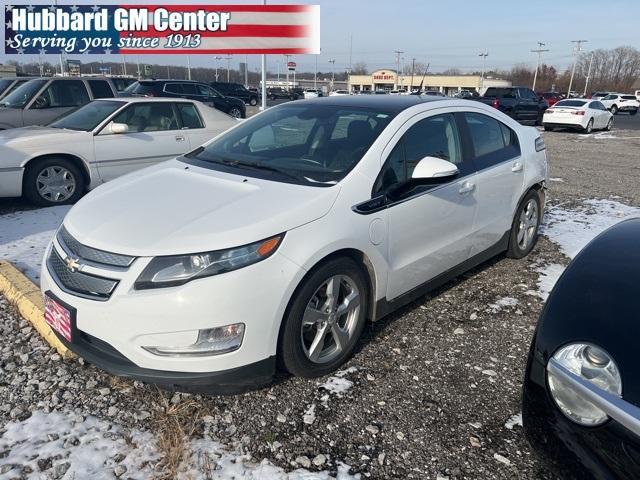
<point x="73" y="264"/>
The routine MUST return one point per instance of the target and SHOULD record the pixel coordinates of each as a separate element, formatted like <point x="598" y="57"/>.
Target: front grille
<point x="75" y="282"/>
<point x="77" y="249"/>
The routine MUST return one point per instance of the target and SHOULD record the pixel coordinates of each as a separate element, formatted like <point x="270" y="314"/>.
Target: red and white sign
<point x="291" y="65"/>
<point x="58" y="317"/>
<point x="250" y="29"/>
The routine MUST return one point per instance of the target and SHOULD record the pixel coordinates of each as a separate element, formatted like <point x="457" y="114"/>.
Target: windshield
<point x="88" y="117"/>
<point x="304" y="143"/>
<point x="23" y="94"/>
<point x="570" y="103"/>
<point x="4" y="84"/>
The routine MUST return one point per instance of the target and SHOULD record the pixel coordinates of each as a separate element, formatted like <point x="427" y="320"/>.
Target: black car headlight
<point x="592" y="364"/>
<point x="180" y="269"/>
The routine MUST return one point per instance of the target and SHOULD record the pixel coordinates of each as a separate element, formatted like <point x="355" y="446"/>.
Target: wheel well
<point x="72" y="158"/>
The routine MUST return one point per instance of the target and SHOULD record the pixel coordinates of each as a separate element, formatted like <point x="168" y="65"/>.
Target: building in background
<point x="448" y="84"/>
<point x="7" y="70"/>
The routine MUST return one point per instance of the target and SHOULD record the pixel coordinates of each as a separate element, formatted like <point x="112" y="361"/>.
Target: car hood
<point x="175" y="208"/>
<point x="41" y="135"/>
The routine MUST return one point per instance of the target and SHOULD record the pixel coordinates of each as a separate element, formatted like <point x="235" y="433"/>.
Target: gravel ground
<point x="433" y="391"/>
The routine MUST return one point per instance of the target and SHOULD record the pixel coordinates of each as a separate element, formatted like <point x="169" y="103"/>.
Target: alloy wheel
<point x="330" y="319"/>
<point x="528" y="224"/>
<point x="56" y="184"/>
<point x="235" y="112"/>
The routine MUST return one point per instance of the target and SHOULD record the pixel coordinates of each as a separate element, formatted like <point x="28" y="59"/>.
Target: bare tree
<point x="359" y="68"/>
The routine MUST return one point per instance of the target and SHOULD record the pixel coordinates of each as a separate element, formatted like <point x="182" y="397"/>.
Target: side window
<point x="100" y="89"/>
<point x="204" y="91"/>
<point x="189" y="115"/>
<point x="492" y="141"/>
<point x="189" y="89"/>
<point x="63" y="93"/>
<point x="173" y="88"/>
<point x="149" y="117"/>
<point x="435" y="136"/>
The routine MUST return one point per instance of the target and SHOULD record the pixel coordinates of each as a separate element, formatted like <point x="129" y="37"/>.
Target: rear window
<point x="122" y="83"/>
<point x="174" y="88"/>
<point x="141" y="88"/>
<point x="100" y="89"/>
<point x="628" y="97"/>
<point x="500" y="92"/>
<point x="551" y="95"/>
<point x="570" y="103"/>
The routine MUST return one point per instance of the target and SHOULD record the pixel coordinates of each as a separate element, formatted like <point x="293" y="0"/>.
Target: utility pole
<point x="398" y="53"/>
<point x="539" y="51"/>
<point x="124" y="66"/>
<point x="484" y="56"/>
<point x="413" y="70"/>
<point x="577" y="49"/>
<point x="333" y="65"/>
<point x="350" y="63"/>
<point x="228" y="59"/>
<point x="217" y="59"/>
<point x="586" y="83"/>
<point x="287" y="68"/>
<point x="315" y="75"/>
<point x="138" y="62"/>
<point x="246" y="71"/>
<point x="189" y="66"/>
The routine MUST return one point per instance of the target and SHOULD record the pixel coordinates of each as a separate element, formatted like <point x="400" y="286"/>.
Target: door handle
<point x="467" y="187"/>
<point x="516" y="167"/>
<point x="179" y="138"/>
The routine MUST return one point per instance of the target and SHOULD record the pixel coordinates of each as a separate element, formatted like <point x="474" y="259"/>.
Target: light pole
<point x="586" y="83"/>
<point x="217" y="59"/>
<point x="228" y="59"/>
<point x="484" y="56"/>
<point x="189" y="66"/>
<point x="287" y="69"/>
<point x="333" y="69"/>
<point x="577" y="49"/>
<point x="539" y="51"/>
<point x="398" y="53"/>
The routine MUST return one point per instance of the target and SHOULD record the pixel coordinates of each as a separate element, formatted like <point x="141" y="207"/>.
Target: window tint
<point x="63" y="93"/>
<point x="189" y="89"/>
<point x="570" y="103"/>
<point x="610" y="97"/>
<point x="597" y="106"/>
<point x="493" y="142"/>
<point x="189" y="115"/>
<point x="174" y="88"/>
<point x="149" y="117"/>
<point x="204" y="91"/>
<point x="435" y="136"/>
<point x="528" y="94"/>
<point x="100" y="89"/>
<point x="628" y="97"/>
<point x="500" y="92"/>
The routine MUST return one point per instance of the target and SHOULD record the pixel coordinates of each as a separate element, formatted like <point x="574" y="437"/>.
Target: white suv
<point x="277" y="240"/>
<point x="618" y="102"/>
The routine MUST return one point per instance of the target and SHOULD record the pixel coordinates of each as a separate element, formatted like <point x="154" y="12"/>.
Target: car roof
<point x="389" y="103"/>
<point x="172" y="80"/>
<point x="144" y="99"/>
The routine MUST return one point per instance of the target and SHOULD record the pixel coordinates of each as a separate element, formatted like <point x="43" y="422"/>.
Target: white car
<point x="599" y="95"/>
<point x="100" y="141"/>
<point x="582" y="114"/>
<point x="312" y="93"/>
<point x="338" y="93"/>
<point x="280" y="238"/>
<point x="618" y="102"/>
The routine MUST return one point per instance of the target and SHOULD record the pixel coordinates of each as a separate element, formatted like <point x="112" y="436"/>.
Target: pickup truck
<point x="520" y="103"/>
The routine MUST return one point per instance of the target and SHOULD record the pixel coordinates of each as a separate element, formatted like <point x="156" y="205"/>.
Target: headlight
<point x="212" y="341"/>
<point x="593" y="365"/>
<point x="178" y="270"/>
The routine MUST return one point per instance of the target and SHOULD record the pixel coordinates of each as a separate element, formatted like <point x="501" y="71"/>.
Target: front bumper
<point x="11" y="181"/>
<point x="113" y="332"/>
<point x="609" y="451"/>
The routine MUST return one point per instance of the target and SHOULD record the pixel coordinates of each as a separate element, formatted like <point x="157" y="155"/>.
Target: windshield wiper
<point x="258" y="166"/>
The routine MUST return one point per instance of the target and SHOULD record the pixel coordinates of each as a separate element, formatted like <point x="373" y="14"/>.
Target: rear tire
<point x="253" y="101"/>
<point x="314" y="342"/>
<point x="589" y="127"/>
<point x="235" y="112"/>
<point x="609" y="124"/>
<point x="53" y="181"/>
<point x="524" y="230"/>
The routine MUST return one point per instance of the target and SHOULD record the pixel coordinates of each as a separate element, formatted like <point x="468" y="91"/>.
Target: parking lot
<point x="433" y="390"/>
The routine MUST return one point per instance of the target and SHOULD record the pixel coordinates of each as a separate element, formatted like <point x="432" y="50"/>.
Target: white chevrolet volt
<point x="275" y="242"/>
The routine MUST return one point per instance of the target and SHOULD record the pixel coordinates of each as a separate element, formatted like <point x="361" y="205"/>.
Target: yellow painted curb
<point x="26" y="297"/>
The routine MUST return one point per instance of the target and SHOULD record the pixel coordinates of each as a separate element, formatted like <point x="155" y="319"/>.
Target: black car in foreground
<point x="581" y="394"/>
<point x="236" y="90"/>
<point x="520" y="103"/>
<point x="188" y="89"/>
<point x="276" y="93"/>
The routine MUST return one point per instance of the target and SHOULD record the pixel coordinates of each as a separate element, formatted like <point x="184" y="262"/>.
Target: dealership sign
<point x="170" y="29"/>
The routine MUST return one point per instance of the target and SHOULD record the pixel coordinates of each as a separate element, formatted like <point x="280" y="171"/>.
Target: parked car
<point x="276" y="93"/>
<point x="42" y="100"/>
<point x="338" y="93"/>
<point x="433" y="93"/>
<point x="584" y="115"/>
<point x="599" y="95"/>
<point x="617" y="102"/>
<point x="272" y="244"/>
<point x="637" y="94"/>
<point x="466" y="94"/>
<point x="312" y="93"/>
<point x="520" y="103"/>
<point x="188" y="89"/>
<point x="236" y="90"/>
<point x="581" y="395"/>
<point x="98" y="142"/>
<point x="552" y="98"/>
<point x="9" y="84"/>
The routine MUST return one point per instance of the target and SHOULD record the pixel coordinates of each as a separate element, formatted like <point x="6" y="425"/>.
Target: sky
<point x="442" y="34"/>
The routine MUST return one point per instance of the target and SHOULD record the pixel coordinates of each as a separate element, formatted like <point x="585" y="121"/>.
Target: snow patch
<point x="503" y="303"/>
<point x="337" y="384"/>
<point x="24" y="236"/>
<point x="549" y="275"/>
<point x="513" y="421"/>
<point x="556" y="179"/>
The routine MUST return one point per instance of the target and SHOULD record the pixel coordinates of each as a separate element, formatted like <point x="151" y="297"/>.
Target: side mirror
<point x="118" y="128"/>
<point x="434" y="170"/>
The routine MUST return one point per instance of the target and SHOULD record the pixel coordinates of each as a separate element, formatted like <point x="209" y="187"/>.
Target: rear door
<point x="57" y="98"/>
<point x="499" y="177"/>
<point x="154" y="135"/>
<point x="527" y="105"/>
<point x="193" y="125"/>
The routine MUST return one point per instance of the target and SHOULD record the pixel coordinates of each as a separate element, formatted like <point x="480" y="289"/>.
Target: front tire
<point x="524" y="230"/>
<point x="324" y="320"/>
<point x="235" y="112"/>
<point x="253" y="101"/>
<point x="53" y="181"/>
<point x="614" y="110"/>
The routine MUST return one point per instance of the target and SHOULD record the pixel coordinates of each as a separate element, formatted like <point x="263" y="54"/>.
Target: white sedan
<point x="100" y="141"/>
<point x="278" y="240"/>
<point x="339" y="93"/>
<point x="581" y="114"/>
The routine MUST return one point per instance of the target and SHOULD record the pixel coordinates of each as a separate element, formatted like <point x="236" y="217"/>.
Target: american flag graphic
<point x="58" y="317"/>
<point x="251" y="29"/>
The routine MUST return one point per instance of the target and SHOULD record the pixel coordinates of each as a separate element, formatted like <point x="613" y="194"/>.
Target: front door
<point x="429" y="227"/>
<point x="154" y="135"/>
